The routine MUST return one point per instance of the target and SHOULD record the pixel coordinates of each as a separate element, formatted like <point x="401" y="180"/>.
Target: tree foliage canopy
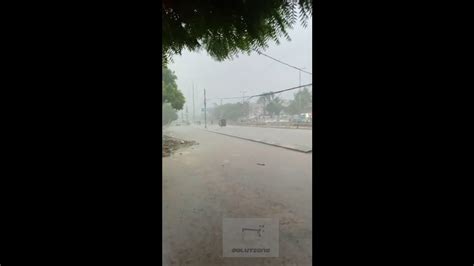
<point x="301" y="103"/>
<point x="225" y="28"/>
<point x="230" y="111"/>
<point x="264" y="99"/>
<point x="273" y="104"/>
<point x="169" y="114"/>
<point x="171" y="94"/>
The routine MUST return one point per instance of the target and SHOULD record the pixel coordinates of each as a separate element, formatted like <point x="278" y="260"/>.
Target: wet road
<point x="220" y="178"/>
<point x="299" y="139"/>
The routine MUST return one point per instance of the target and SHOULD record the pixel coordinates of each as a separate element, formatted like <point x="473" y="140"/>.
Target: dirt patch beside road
<point x="171" y="144"/>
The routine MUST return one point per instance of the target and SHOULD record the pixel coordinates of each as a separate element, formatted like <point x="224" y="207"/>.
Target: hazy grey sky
<point x="253" y="74"/>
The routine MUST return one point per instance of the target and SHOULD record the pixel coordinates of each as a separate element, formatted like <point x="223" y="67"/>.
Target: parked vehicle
<point x="301" y="118"/>
<point x="222" y="122"/>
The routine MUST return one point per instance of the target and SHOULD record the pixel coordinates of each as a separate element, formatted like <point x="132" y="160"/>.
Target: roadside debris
<point x="171" y="144"/>
<point x="260" y="163"/>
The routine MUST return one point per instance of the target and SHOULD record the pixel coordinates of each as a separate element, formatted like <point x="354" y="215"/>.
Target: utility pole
<point x="248" y="114"/>
<point x="199" y="106"/>
<point x="194" y="119"/>
<point x="205" y="110"/>
<point x="243" y="95"/>
<point x="220" y="112"/>
<point x="187" y="118"/>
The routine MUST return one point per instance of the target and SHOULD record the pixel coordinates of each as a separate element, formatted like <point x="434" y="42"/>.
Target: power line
<point x="283" y="62"/>
<point x="274" y="92"/>
<point x="239" y="97"/>
<point x="262" y="94"/>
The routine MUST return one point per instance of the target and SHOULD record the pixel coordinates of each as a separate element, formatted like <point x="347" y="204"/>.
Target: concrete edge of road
<point x="304" y="128"/>
<point x="266" y="143"/>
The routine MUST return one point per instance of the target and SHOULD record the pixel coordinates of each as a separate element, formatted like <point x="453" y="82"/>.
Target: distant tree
<point x="171" y="94"/>
<point x="169" y="114"/>
<point x="272" y="104"/>
<point x="265" y="99"/>
<point x="230" y="111"/>
<point x="301" y="103"/>
<point x="225" y="28"/>
<point x="275" y="106"/>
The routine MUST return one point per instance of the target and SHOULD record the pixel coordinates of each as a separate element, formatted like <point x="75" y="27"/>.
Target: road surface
<point x="220" y="178"/>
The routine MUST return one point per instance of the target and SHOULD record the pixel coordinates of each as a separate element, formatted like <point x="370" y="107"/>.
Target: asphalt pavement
<point x="226" y="177"/>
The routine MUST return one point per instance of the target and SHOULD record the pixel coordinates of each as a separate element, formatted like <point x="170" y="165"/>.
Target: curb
<point x="305" y="128"/>
<point x="266" y="143"/>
